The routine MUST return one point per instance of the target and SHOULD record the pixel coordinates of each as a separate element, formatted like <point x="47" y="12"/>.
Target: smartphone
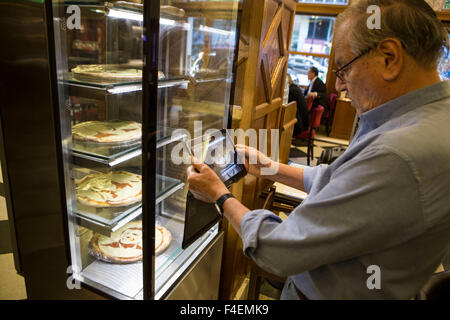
<point x="218" y="152"/>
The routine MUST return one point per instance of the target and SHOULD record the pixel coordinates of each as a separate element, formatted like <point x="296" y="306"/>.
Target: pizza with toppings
<point x="107" y="131"/>
<point x="113" y="189"/>
<point x="106" y="72"/>
<point x="125" y="244"/>
<point x="109" y="73"/>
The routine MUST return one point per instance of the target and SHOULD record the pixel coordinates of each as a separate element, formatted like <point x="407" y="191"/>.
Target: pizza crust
<point x="125" y="244"/>
<point x="163" y="237"/>
<point x="113" y="189"/>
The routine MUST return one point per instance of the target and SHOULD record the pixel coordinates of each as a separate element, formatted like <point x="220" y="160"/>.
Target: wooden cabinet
<point x="344" y="117"/>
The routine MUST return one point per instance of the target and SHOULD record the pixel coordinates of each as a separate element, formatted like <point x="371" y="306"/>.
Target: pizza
<point x="107" y="131"/>
<point x="109" y="72"/>
<point x="125" y="244"/>
<point x="112" y="189"/>
<point x="106" y="72"/>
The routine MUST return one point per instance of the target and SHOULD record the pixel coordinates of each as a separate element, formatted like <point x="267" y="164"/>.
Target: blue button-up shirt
<point x="376" y="222"/>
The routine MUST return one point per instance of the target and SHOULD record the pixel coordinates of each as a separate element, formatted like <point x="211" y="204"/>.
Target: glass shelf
<point x="123" y="86"/>
<point x="108" y="220"/>
<point x="88" y="155"/>
<point x="95" y="155"/>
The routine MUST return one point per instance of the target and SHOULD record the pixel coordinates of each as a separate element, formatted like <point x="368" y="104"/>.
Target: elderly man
<point x="376" y="222"/>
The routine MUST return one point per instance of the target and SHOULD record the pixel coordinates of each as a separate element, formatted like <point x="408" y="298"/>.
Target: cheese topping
<point x="103" y="131"/>
<point x="108" y="71"/>
<point x="111" y="189"/>
<point x="124" y="243"/>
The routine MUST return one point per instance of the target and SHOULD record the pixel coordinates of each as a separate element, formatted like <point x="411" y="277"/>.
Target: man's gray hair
<point x="412" y="22"/>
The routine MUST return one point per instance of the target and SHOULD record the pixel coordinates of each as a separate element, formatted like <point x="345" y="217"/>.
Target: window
<point x="338" y="2"/>
<point x="444" y="65"/>
<point x="310" y="46"/>
<point x="447" y="4"/>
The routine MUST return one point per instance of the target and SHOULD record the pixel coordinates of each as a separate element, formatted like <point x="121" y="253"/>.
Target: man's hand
<point x="204" y="183"/>
<point x="313" y="94"/>
<point x="254" y="160"/>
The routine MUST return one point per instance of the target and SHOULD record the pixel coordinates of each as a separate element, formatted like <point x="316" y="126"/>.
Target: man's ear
<point x="392" y="54"/>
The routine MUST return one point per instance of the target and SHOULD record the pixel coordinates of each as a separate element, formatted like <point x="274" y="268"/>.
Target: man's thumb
<point x="196" y="163"/>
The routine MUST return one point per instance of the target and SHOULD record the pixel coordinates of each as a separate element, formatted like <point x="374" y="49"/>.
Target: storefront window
<point x="311" y="41"/>
<point x="312" y="34"/>
<point x="298" y="66"/>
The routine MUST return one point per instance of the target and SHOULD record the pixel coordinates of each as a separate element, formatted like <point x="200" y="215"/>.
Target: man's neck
<point x="422" y="79"/>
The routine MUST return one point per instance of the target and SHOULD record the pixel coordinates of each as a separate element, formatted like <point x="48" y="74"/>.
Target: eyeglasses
<point x="340" y="73"/>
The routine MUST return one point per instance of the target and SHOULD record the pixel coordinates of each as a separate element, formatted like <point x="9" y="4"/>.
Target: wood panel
<point x="265" y="35"/>
<point x="320" y="9"/>
<point x="344" y="116"/>
<point x="288" y="121"/>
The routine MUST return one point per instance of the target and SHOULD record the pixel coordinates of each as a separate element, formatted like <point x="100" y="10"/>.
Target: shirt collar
<point x="410" y="101"/>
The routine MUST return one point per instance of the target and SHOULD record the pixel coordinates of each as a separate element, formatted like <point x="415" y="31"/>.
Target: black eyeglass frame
<point x="337" y="72"/>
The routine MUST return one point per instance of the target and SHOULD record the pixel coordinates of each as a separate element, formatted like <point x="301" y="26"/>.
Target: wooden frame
<point x="320" y="9"/>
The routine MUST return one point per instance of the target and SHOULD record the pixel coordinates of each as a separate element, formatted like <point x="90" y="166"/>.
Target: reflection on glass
<point x="444" y="65"/>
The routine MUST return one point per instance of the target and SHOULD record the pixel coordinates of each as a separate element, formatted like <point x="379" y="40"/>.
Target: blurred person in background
<point x="295" y="94"/>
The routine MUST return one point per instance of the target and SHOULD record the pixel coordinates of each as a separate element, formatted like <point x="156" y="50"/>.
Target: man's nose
<point x="340" y="85"/>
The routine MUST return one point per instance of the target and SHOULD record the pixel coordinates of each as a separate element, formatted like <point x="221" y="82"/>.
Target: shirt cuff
<point x="308" y="177"/>
<point x="251" y="224"/>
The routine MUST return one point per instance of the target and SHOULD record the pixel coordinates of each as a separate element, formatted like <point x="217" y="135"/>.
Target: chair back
<point x="316" y="116"/>
<point x="309" y="102"/>
<point x="332" y="101"/>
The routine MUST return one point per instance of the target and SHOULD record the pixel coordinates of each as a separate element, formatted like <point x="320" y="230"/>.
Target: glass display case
<point x="136" y="80"/>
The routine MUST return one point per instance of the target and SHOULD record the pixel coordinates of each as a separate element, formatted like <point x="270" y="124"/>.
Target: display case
<point x="133" y="81"/>
<point x="122" y="120"/>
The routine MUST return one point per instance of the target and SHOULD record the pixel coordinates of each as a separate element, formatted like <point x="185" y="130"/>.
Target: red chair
<point x="309" y="102"/>
<point x="328" y="118"/>
<point x="309" y="135"/>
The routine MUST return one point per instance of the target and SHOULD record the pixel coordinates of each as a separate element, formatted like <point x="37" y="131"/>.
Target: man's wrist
<point x="226" y="203"/>
<point x="221" y="201"/>
<point x="220" y="194"/>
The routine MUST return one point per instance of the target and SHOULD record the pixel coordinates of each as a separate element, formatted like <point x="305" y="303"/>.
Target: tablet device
<point x="218" y="152"/>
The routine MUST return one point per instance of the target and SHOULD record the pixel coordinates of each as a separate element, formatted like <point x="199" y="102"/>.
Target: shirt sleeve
<point x="312" y="173"/>
<point x="368" y="204"/>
